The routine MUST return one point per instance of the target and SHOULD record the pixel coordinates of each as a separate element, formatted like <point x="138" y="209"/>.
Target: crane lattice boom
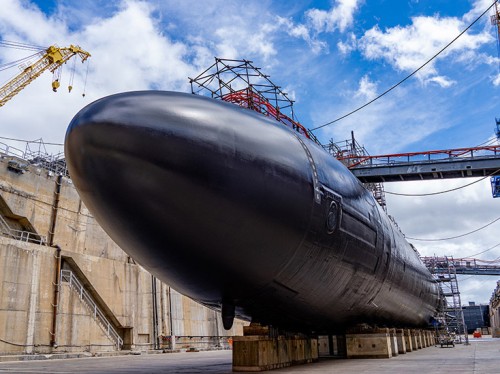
<point x="51" y="59"/>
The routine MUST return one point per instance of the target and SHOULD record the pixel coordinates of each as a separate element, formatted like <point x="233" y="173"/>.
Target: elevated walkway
<point x="452" y="163"/>
<point x="465" y="266"/>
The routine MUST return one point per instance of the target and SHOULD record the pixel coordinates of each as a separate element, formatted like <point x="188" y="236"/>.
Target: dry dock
<point x="481" y="356"/>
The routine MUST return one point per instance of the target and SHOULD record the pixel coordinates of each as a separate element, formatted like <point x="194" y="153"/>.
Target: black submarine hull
<point x="239" y="212"/>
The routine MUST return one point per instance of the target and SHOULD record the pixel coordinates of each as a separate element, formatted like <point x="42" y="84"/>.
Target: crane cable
<point x="85" y="82"/>
<point x="445" y="191"/>
<point x="25" y="46"/>
<point x="454" y="237"/>
<point x="408" y="76"/>
<point x="9" y="65"/>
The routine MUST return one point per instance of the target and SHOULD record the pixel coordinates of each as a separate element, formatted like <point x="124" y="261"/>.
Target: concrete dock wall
<point x="123" y="288"/>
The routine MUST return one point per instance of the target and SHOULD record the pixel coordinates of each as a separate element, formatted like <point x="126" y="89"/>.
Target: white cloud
<point x="367" y="89"/>
<point x="496" y="80"/>
<point x="349" y="45"/>
<point x="229" y="29"/>
<point x="130" y="48"/>
<point x="235" y="41"/>
<point x="339" y="17"/>
<point x="301" y="31"/>
<point x="123" y="58"/>
<point x="442" y="81"/>
<point x="478" y="7"/>
<point x="19" y="19"/>
<point x="447" y="215"/>
<point x="128" y="52"/>
<point x="407" y="48"/>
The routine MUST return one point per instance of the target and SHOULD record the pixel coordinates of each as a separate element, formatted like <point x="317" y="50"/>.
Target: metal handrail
<point x="8" y="150"/>
<point x="25" y="236"/>
<point x="68" y="277"/>
<point x="55" y="163"/>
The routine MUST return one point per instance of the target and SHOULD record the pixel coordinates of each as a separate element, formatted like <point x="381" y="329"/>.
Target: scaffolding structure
<point x="241" y="83"/>
<point x="350" y="153"/>
<point x="35" y="153"/>
<point x="450" y="315"/>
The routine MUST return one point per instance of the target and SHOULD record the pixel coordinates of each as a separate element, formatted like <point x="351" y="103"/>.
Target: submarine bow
<point x="241" y="213"/>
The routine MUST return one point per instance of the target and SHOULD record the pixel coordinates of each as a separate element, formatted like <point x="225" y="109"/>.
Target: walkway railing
<point x="69" y="277"/>
<point x="35" y="153"/>
<point x="25" y="236"/>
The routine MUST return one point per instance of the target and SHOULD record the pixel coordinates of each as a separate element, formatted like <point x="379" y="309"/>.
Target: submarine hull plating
<point x="239" y="212"/>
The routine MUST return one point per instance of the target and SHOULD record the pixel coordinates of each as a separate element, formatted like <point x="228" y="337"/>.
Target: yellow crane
<point x="51" y="59"/>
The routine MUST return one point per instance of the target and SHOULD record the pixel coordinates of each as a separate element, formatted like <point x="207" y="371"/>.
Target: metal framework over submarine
<point x="243" y="214"/>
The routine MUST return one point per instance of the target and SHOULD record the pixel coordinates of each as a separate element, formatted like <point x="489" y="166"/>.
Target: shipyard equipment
<point x="495" y="186"/>
<point x="52" y="59"/>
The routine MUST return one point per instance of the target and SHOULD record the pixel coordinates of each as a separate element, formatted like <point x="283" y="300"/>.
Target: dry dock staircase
<point x="94" y="303"/>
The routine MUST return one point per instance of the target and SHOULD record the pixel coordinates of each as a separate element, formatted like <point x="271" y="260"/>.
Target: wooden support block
<point x="414" y="337"/>
<point x="400" y="336"/>
<point x="408" y="340"/>
<point x="260" y="353"/>
<point x="394" y="342"/>
<point x="369" y="345"/>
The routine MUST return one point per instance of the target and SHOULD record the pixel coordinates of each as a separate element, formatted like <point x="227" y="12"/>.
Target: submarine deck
<point x="481" y="356"/>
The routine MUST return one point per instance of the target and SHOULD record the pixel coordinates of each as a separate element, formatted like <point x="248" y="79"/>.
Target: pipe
<point x="55" y="300"/>
<point x="163" y="311"/>
<point x="53" y="216"/>
<point x="156" y="344"/>
<point x="171" y="320"/>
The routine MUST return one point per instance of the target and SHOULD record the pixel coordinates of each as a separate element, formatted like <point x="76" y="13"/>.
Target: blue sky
<point x="331" y="56"/>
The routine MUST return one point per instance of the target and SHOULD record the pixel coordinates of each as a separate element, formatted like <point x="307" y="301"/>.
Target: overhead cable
<point x="408" y="76"/>
<point x="441" y="192"/>
<point x="454" y="237"/>
<point x="486" y="250"/>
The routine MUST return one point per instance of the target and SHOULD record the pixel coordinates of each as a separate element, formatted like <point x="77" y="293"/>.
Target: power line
<point x="441" y="192"/>
<point x="486" y="250"/>
<point x="454" y="237"/>
<point x="408" y="76"/>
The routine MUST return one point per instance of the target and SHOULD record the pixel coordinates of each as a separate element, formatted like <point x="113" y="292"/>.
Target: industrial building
<point x="476" y="317"/>
<point x="66" y="286"/>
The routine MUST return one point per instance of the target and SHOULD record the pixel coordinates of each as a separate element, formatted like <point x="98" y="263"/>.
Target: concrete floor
<point x="481" y="356"/>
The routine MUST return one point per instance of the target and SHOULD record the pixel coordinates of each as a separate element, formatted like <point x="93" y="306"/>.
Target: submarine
<point x="244" y="215"/>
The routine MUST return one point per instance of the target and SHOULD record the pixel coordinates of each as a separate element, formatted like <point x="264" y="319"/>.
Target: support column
<point x="33" y="303"/>
<point x="400" y="336"/>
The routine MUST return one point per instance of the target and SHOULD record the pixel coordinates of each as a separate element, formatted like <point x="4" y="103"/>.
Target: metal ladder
<point x="69" y="277"/>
